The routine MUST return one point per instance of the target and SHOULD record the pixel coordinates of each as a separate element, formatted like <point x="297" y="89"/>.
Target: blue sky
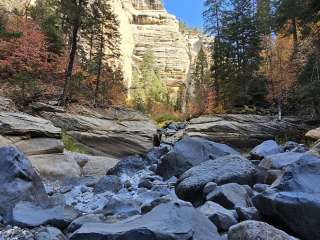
<point x="190" y="11"/>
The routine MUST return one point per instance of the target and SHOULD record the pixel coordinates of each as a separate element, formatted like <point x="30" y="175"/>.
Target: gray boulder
<point x="89" y="218"/>
<point x="253" y="230"/>
<point x="121" y="207"/>
<point x="221" y="217"/>
<point x="18" y="181"/>
<point x="248" y="213"/>
<point x="174" y="221"/>
<point x="188" y="153"/>
<point x="110" y="132"/>
<point x="282" y="160"/>
<point x="231" y="195"/>
<point x="24" y="124"/>
<point x="50" y="233"/>
<point x="244" y="130"/>
<point x="39" y="146"/>
<point x="27" y="214"/>
<point x="228" y="169"/>
<point x="266" y="148"/>
<point x="129" y="166"/>
<point x="108" y="183"/>
<point x="294" y="200"/>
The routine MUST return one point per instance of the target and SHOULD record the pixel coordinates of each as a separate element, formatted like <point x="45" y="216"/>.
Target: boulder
<point x="248" y="213"/>
<point x="174" y="221"/>
<point x="55" y="166"/>
<point x="121" y="207"/>
<point x="153" y="156"/>
<point x="294" y="200"/>
<point x="282" y="160"/>
<point x="209" y="187"/>
<point x="314" y="134"/>
<point x="89" y="218"/>
<point x="221" y="217"/>
<point x="108" y="183"/>
<point x="7" y="105"/>
<point x="23" y="124"/>
<point x="129" y="166"/>
<point x="245" y="130"/>
<point x="50" y="233"/>
<point x="231" y="195"/>
<point x="265" y="149"/>
<point x="228" y="169"/>
<point x="92" y="165"/>
<point x="151" y="205"/>
<point x="28" y="214"/>
<point x="116" y="134"/>
<point x="188" y="153"/>
<point x="39" y="146"/>
<point x="291" y="146"/>
<point x="253" y="230"/>
<point x="18" y="181"/>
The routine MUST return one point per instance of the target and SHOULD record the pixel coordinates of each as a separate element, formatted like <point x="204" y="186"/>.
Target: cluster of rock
<point x="245" y="130"/>
<point x="196" y="189"/>
<point x="188" y="188"/>
<point x="107" y="135"/>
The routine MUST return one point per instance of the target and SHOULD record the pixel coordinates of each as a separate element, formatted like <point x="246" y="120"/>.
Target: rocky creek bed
<point x="187" y="188"/>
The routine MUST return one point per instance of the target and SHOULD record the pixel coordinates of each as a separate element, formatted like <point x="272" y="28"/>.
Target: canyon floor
<point x="93" y="174"/>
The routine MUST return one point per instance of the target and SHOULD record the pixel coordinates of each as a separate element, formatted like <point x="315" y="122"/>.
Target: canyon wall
<point x="145" y="25"/>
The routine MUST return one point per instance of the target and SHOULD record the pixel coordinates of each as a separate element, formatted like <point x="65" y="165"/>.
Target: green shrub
<point x="70" y="144"/>
<point x="162" y="119"/>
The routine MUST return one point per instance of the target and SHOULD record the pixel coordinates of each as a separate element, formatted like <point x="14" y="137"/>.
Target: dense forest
<point x="265" y="54"/>
<point x="65" y="50"/>
<point x="264" y="58"/>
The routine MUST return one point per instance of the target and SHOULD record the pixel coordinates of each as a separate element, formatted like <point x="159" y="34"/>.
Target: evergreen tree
<point x="236" y="50"/>
<point x="148" y="88"/>
<point x="44" y="12"/>
<point x="104" y="40"/>
<point x="201" y="79"/>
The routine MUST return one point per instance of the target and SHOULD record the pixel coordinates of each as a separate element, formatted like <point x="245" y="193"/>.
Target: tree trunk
<point x="295" y="34"/>
<point x="96" y="92"/>
<point x="72" y="56"/>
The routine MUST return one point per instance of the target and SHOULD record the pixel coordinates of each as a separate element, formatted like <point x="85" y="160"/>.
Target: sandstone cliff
<point x="145" y="25"/>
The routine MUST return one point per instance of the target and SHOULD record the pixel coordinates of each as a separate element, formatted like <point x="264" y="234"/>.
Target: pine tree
<point x="201" y="79"/>
<point x="44" y="13"/>
<point x="236" y="50"/>
<point x="148" y="89"/>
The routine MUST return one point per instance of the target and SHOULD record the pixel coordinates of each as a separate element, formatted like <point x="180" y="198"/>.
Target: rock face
<point x="244" y="131"/>
<point x="188" y="153"/>
<point x="228" y="169"/>
<point x="18" y="181"/>
<point x="40" y="140"/>
<point x="146" y="26"/>
<point x="117" y="133"/>
<point x="7" y="104"/>
<point x="176" y="221"/>
<point x="294" y="201"/>
<point x="19" y="124"/>
<point x="252" y="230"/>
